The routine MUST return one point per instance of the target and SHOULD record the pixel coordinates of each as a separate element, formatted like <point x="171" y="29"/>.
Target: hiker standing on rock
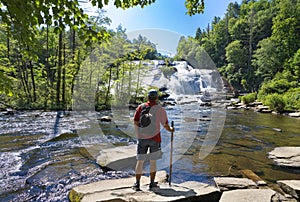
<point x="147" y="120"/>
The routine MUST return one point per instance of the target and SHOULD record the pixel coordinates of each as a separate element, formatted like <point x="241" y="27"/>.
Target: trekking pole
<point x="171" y="151"/>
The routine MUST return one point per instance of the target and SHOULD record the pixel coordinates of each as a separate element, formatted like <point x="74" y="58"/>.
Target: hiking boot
<point x="153" y="185"/>
<point x="136" y="187"/>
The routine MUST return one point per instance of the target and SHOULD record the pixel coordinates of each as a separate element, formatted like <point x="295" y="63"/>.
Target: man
<point x="149" y="140"/>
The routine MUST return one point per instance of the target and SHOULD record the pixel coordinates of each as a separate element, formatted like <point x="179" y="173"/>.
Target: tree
<point x="25" y="17"/>
<point x="236" y="56"/>
<point x="265" y="60"/>
<point x="285" y="30"/>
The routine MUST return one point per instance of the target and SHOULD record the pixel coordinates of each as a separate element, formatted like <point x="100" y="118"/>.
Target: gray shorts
<point x="142" y="149"/>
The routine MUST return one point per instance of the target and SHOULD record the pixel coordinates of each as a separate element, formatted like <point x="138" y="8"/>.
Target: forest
<point x="256" y="49"/>
<point x="255" y="46"/>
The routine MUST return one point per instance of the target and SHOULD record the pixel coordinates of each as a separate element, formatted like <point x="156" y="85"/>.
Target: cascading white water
<point x="186" y="80"/>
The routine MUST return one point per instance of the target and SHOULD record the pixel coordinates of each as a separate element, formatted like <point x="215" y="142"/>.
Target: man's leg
<point x="152" y="170"/>
<point x="139" y="170"/>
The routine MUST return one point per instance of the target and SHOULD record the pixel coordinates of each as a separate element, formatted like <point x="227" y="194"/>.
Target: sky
<point x="167" y="14"/>
<point x="165" y="21"/>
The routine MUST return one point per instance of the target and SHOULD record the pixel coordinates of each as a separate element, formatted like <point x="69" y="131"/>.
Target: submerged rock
<point x="286" y="156"/>
<point x="251" y="175"/>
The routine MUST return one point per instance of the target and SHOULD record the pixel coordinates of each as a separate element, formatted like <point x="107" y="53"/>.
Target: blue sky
<point x="165" y="21"/>
<point x="167" y="14"/>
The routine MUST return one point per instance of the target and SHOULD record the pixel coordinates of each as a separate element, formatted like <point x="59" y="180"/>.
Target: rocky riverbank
<point x="235" y="104"/>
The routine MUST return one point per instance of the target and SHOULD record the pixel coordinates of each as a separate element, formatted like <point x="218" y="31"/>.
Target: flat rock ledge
<point x="229" y="183"/>
<point x="248" y="195"/>
<point x="286" y="156"/>
<point x="227" y="189"/>
<point x="119" y="190"/>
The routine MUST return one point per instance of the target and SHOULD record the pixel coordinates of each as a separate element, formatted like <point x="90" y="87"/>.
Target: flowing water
<point x="42" y="157"/>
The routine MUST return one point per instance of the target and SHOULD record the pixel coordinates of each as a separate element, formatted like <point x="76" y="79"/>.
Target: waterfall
<point x="186" y="80"/>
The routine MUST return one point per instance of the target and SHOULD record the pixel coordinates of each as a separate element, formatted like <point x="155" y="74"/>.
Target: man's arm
<point x="136" y="127"/>
<point x="169" y="128"/>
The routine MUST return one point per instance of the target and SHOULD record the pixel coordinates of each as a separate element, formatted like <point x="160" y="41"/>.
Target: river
<point x="42" y="156"/>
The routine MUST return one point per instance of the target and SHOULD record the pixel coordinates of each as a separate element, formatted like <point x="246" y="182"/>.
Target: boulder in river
<point x="118" y="158"/>
<point x="286" y="156"/>
<point x="105" y="119"/>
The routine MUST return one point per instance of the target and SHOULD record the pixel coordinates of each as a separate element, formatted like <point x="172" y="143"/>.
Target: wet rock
<point x="277" y="129"/>
<point x="118" y="158"/>
<point x="295" y="114"/>
<point x="266" y="111"/>
<point x="286" y="156"/>
<point x="120" y="190"/>
<point x="231" y="108"/>
<point x="229" y="183"/>
<point x="10" y="111"/>
<point x="262" y="108"/>
<point x="291" y="187"/>
<point x="248" y="195"/>
<point x="105" y="119"/>
<point x="277" y="197"/>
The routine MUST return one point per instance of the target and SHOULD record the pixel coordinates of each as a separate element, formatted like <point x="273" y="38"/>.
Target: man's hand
<point x="168" y="128"/>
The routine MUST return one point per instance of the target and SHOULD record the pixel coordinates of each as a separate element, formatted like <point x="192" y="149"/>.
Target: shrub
<point x="275" y="102"/>
<point x="292" y="99"/>
<point x="251" y="97"/>
<point x="275" y="86"/>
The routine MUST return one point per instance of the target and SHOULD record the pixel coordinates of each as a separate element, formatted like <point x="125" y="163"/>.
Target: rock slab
<point x="120" y="190"/>
<point x="286" y="156"/>
<point x="248" y="195"/>
<point x="291" y="187"/>
<point x="118" y="158"/>
<point x="229" y="183"/>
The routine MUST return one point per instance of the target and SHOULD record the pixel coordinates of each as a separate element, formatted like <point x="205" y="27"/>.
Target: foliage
<point x="251" y="97"/>
<point x="275" y="102"/>
<point x="292" y="99"/>
<point x="279" y="86"/>
<point x="194" y="6"/>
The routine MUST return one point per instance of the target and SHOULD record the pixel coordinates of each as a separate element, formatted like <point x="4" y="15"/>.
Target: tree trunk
<point x="73" y="41"/>
<point x="109" y="83"/>
<point x="33" y="81"/>
<point x="59" y="67"/>
<point x="8" y="43"/>
<point x="64" y="78"/>
<point x="77" y="66"/>
<point x="138" y="80"/>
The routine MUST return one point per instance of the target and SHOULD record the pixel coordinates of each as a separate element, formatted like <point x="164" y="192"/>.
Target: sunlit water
<point x="42" y="157"/>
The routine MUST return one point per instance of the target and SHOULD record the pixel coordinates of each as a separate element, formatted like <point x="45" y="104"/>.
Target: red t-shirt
<point x="161" y="118"/>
